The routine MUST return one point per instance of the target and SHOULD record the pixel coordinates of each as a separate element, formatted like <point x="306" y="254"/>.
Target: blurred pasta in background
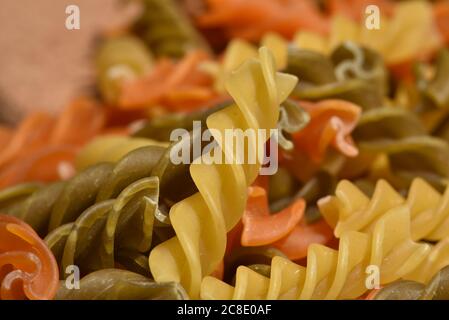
<point x="363" y="158"/>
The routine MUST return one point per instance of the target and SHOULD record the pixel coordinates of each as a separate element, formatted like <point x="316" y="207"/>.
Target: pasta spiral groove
<point x="202" y="220"/>
<point x="49" y="207"/>
<point x="124" y="223"/>
<point x="331" y="274"/>
<point x="351" y="210"/>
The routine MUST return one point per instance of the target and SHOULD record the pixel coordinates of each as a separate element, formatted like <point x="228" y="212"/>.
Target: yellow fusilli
<point x="202" y="220"/>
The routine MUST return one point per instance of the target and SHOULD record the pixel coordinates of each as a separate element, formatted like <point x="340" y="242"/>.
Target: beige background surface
<point x="43" y="65"/>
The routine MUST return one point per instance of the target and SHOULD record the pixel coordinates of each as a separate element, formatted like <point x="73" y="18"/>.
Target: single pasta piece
<point x="239" y="50"/>
<point x="111" y="148"/>
<point x="122" y="226"/>
<point x="262" y="228"/>
<point x="331" y="274"/>
<point x="330" y="127"/>
<point x="202" y="220"/>
<point x="331" y="123"/>
<point x="28" y="269"/>
<point x="351" y="209"/>
<point x="285" y="230"/>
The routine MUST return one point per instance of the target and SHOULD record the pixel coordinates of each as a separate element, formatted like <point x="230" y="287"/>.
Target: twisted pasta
<point x="115" y="284"/>
<point x="351" y="73"/>
<point x="102" y="230"/>
<point x="110" y="148"/>
<point x="332" y="121"/>
<point x="28" y="269"/>
<point x="331" y="274"/>
<point x="409" y="151"/>
<point x="202" y="220"/>
<point x="51" y="206"/>
<point x="262" y="228"/>
<point x="351" y="210"/>
<point x="285" y="230"/>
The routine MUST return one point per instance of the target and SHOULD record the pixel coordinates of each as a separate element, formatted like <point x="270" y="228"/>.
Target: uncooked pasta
<point x="240" y="149"/>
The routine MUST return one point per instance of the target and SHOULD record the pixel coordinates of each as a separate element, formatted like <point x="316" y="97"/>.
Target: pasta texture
<point x="202" y="220"/>
<point x="331" y="274"/>
<point x="28" y="269"/>
<point x="49" y="207"/>
<point x="122" y="226"/>
<point x="351" y="210"/>
<point x="262" y="228"/>
<point x="116" y="284"/>
<point x="397" y="38"/>
<point x="165" y="29"/>
<point x="286" y="230"/>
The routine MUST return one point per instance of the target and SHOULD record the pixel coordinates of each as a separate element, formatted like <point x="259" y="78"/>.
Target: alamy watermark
<point x="372" y="280"/>
<point x="230" y="146"/>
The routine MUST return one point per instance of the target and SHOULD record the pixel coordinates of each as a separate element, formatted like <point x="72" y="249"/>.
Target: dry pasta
<point x="167" y="261"/>
<point x="343" y="107"/>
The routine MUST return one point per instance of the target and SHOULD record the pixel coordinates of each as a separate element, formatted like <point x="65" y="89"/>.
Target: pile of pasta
<point x="93" y="207"/>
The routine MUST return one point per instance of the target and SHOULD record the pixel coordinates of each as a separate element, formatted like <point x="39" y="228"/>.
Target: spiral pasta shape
<point x="124" y="223"/>
<point x="202" y="220"/>
<point x="28" y="269"/>
<point x="351" y="210"/>
<point x="116" y="284"/>
<point x="49" y="207"/>
<point x="331" y="274"/>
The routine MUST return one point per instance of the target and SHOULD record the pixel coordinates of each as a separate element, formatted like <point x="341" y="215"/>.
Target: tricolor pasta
<point x="240" y="149"/>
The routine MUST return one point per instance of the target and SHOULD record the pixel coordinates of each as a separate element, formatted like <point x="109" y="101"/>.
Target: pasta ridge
<point x="331" y="274"/>
<point x="202" y="220"/>
<point x="120" y="225"/>
<point x="351" y="210"/>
